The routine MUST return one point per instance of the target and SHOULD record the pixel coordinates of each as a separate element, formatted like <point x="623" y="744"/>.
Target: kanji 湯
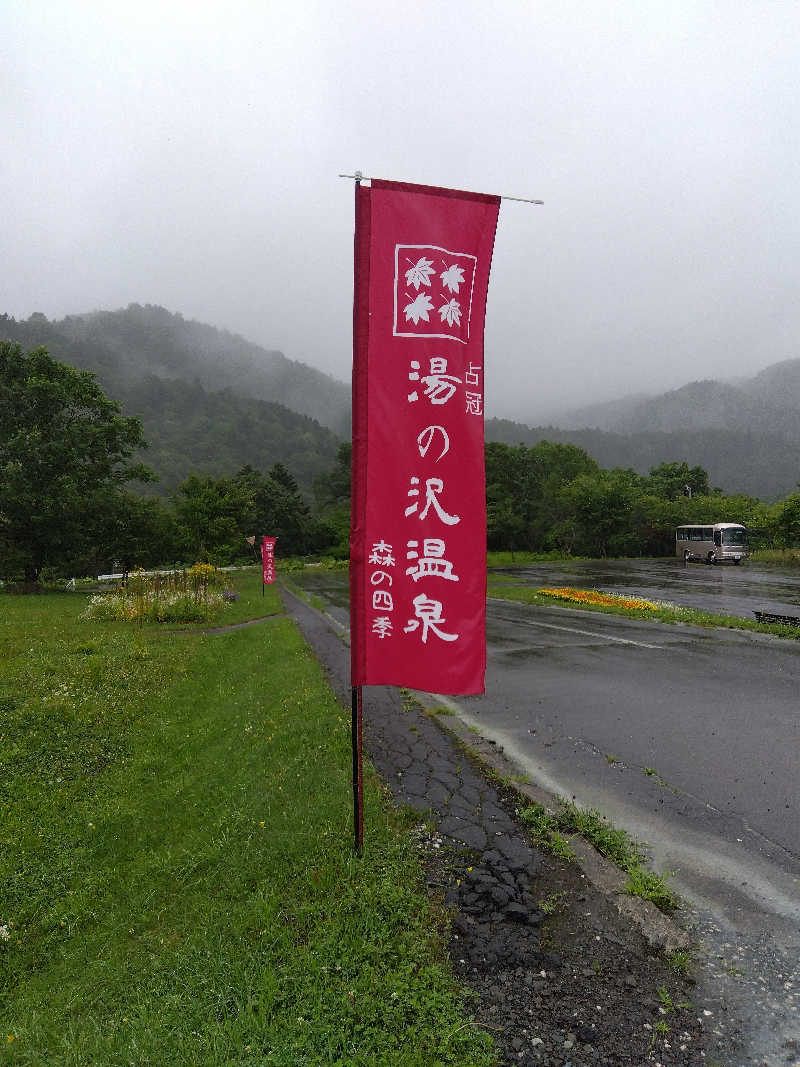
<point x="439" y="385"/>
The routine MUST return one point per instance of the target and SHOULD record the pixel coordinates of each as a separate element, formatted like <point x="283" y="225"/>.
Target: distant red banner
<point x="418" y="536"/>
<point x="268" y="559"/>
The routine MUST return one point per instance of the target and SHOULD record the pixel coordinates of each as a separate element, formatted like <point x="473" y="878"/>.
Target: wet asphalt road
<point x="723" y="589"/>
<point x="689" y="737"/>
<point x="686" y="737"/>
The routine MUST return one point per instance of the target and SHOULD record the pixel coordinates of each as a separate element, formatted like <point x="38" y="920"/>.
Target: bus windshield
<point x="734" y="537"/>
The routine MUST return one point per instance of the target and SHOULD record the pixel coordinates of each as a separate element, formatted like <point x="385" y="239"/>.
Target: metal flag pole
<point x="358" y="769"/>
<point x="356" y="722"/>
<point x="359" y="177"/>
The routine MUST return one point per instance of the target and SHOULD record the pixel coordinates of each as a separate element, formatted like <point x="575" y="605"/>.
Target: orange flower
<point x="591" y="596"/>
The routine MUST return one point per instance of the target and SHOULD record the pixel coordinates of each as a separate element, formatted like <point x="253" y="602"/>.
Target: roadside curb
<point x="660" y="931"/>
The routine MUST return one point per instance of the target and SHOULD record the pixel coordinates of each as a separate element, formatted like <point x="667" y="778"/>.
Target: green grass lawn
<point x="177" y="881"/>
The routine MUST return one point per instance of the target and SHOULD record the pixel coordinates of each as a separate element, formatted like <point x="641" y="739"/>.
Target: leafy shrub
<point x="333" y="563"/>
<point x="292" y="565"/>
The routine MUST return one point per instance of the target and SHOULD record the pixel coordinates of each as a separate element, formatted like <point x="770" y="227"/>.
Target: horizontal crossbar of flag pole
<point x="359" y="177"/>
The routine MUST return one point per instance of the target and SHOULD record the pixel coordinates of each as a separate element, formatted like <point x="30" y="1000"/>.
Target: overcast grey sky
<point x="186" y="154"/>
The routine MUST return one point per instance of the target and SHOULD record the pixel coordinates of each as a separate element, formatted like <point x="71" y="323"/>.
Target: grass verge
<point x="553" y="832"/>
<point x="177" y="882"/>
<point x="785" y="557"/>
<point x="520" y="559"/>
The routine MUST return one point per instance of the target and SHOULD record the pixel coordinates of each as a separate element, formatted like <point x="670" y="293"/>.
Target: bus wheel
<point x="686" y="556"/>
<point x="737" y="562"/>
<point x="711" y="559"/>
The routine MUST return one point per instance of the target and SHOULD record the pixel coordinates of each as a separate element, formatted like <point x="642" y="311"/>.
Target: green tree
<point x="332" y="500"/>
<point x="787" y="521"/>
<point x="283" y="477"/>
<point x="279" y="509"/>
<point x="673" y="480"/>
<point x="213" y="515"/>
<point x="522" y="487"/>
<point x="602" y="514"/>
<point x="64" y="455"/>
<point x="139" y="532"/>
<point x="333" y="488"/>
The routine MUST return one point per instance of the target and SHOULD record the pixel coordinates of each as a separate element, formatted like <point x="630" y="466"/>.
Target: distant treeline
<point x="554" y="496"/>
<point x="67" y="455"/>
<point x="212" y="401"/>
<point x="740" y="459"/>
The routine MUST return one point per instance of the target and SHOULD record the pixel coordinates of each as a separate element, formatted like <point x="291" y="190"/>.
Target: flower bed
<point x="193" y="595"/>
<point x="606" y="600"/>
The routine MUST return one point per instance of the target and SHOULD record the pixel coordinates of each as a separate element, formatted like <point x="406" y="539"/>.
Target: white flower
<point x="5" y="934"/>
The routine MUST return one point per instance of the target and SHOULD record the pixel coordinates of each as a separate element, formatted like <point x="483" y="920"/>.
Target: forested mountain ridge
<point x="124" y="346"/>
<point x="746" y="435"/>
<point x="189" y="428"/>
<point x="211" y="401"/>
<point x="189" y="425"/>
<point x="768" y="402"/>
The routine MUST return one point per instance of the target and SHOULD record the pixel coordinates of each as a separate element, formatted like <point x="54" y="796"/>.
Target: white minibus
<point x="718" y="542"/>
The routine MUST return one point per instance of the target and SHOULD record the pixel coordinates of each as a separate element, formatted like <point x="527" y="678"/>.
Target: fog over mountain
<point x="747" y="436"/>
<point x="768" y="401"/>
<point x="187" y="154"/>
<point x="209" y="400"/>
<point x="212" y="400"/>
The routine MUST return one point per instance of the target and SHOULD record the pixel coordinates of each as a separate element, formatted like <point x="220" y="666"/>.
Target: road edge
<point x="662" y="933"/>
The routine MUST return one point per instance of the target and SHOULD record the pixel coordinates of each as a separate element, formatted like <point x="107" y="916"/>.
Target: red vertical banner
<point x="268" y="560"/>
<point x="418" y="536"/>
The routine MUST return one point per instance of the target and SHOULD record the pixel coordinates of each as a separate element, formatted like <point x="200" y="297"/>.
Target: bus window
<point x="718" y="538"/>
<point x="734" y="537"/>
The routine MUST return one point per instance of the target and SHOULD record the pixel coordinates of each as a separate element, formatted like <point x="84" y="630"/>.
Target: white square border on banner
<point x="418" y="334"/>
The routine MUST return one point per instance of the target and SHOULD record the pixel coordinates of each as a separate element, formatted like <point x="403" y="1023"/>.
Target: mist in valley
<point x="188" y="157"/>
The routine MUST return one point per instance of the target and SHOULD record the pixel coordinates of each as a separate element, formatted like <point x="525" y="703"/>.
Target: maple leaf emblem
<point x="451" y="312"/>
<point x="419" y="308"/>
<point x="420" y="273"/>
<point x="452" y="278"/>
